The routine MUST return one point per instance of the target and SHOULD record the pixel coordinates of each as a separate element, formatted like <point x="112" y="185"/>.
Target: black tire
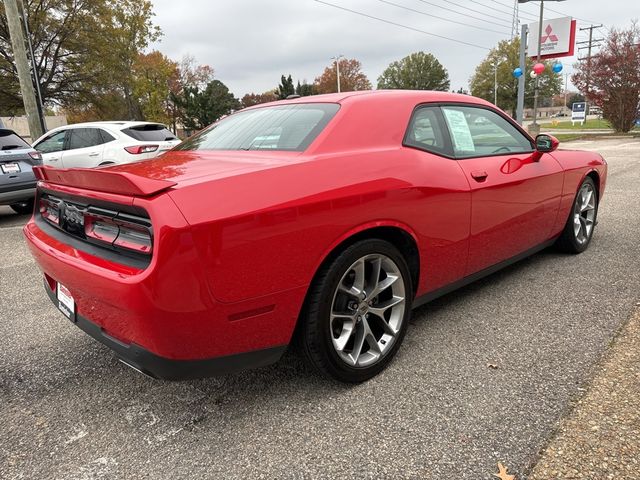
<point x="315" y="332"/>
<point x="23" y="208"/>
<point x="570" y="241"/>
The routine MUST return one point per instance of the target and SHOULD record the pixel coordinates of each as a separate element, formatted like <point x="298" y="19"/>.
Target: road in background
<point x="70" y="410"/>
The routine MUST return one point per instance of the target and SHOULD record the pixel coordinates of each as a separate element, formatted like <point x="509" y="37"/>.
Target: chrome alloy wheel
<point x="584" y="213"/>
<point x="367" y="310"/>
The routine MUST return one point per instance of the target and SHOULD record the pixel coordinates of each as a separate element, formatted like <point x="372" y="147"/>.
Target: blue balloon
<point x="557" y="67"/>
<point x="517" y="72"/>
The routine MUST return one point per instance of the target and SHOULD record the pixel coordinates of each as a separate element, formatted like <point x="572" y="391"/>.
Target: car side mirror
<point x="546" y="143"/>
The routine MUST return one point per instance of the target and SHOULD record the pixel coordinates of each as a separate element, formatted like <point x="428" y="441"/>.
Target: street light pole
<point x="495" y="84"/>
<point x="337" y="60"/>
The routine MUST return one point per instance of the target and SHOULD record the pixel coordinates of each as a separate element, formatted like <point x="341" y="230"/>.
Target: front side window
<point x="282" y="127"/>
<point x="480" y="132"/>
<point x="84" y="137"/>
<point x="54" y="143"/>
<point x="426" y="132"/>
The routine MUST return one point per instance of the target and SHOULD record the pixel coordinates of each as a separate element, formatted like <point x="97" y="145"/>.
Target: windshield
<point x="281" y="127"/>
<point x="150" y="133"/>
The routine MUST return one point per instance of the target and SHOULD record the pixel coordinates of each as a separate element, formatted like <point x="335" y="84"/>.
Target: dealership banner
<point x="558" y="38"/>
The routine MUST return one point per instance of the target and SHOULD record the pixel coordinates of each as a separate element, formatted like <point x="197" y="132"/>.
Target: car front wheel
<point x="578" y="231"/>
<point x="357" y="311"/>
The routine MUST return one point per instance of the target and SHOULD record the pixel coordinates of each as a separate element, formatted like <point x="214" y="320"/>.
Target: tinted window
<point x="426" y="131"/>
<point x="10" y="141"/>
<point x="477" y="132"/>
<point x="54" y="143"/>
<point x="283" y="127"/>
<point x="106" y="137"/>
<point x="84" y="137"/>
<point x="150" y="133"/>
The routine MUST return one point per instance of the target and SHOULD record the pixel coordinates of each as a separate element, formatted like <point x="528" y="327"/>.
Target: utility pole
<point x="591" y="43"/>
<point x="337" y="60"/>
<point x="36" y="76"/>
<point x="522" y="78"/>
<point x="514" y="21"/>
<point x="22" y="66"/>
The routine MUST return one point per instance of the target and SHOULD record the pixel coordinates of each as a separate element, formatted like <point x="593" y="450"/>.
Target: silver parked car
<point x="17" y="182"/>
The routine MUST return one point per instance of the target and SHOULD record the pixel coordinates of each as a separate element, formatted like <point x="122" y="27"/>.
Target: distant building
<point x="21" y="126"/>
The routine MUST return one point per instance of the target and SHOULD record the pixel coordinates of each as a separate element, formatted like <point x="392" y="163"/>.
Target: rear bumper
<point x="164" y="368"/>
<point x="17" y="193"/>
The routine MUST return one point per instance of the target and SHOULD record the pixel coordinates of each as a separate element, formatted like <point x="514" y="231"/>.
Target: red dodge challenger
<point x="323" y="219"/>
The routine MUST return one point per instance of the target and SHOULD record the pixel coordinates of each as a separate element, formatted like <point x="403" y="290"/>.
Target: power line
<point x="509" y="6"/>
<point x="470" y="9"/>
<point x="402" y="26"/>
<point x="440" y="18"/>
<point x="493" y="9"/>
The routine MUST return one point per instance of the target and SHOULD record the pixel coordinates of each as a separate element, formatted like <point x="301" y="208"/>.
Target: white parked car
<point x="94" y="144"/>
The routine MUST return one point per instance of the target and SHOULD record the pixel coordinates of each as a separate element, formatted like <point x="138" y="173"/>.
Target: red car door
<point x="514" y="199"/>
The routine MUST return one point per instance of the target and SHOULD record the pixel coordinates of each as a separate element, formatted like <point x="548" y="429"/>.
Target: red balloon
<point x="538" y="68"/>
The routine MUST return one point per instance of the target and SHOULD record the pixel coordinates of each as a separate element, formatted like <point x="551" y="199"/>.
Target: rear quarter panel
<point x="269" y="232"/>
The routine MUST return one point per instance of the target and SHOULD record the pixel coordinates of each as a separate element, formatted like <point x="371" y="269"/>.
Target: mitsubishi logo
<point x="549" y="35"/>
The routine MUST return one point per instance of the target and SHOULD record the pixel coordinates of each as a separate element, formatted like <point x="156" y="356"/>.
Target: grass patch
<point x="592" y="124"/>
<point x="567" y="137"/>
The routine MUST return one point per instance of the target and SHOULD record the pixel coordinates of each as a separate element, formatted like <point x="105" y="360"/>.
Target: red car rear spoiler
<point x="121" y="183"/>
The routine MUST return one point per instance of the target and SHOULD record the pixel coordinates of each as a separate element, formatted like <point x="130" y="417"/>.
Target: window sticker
<point x="462" y="140"/>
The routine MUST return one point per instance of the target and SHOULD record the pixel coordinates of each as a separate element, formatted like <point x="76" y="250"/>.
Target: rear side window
<point x="11" y="141"/>
<point x="106" y="137"/>
<point x="84" y="137"/>
<point x="282" y="127"/>
<point x="426" y="131"/>
<point x="150" y="133"/>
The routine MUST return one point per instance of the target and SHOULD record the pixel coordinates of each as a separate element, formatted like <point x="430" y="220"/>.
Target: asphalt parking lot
<point x="70" y="410"/>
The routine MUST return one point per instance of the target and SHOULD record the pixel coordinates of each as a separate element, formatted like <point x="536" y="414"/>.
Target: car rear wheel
<point x="23" y="208"/>
<point x="357" y="312"/>
<point x="578" y="231"/>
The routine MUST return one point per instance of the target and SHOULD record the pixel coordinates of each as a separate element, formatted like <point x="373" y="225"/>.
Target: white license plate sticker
<point x="10" y="168"/>
<point x="65" y="301"/>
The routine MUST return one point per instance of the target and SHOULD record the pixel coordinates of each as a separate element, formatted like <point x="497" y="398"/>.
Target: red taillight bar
<point x="138" y="149"/>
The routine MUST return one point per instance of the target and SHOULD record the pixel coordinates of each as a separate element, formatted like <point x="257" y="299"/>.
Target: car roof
<point x="118" y="125"/>
<point x="362" y="95"/>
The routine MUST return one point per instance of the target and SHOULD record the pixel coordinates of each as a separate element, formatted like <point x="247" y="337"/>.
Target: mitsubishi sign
<point x="558" y="38"/>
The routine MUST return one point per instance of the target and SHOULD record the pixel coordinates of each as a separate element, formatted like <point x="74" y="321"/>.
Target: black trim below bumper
<point x="168" y="369"/>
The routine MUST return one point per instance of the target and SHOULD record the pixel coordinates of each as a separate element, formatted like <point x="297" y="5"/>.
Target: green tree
<point x="200" y="108"/>
<point x="304" y="89"/>
<point x="574" y="98"/>
<point x="612" y="79"/>
<point x="84" y="54"/>
<point x="418" y="71"/>
<point x="152" y="77"/>
<point x="286" y="87"/>
<point x="507" y="56"/>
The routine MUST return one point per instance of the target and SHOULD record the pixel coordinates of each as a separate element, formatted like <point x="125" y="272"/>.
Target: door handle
<point x="479" y="175"/>
<point x="54" y="159"/>
<point x="94" y="154"/>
